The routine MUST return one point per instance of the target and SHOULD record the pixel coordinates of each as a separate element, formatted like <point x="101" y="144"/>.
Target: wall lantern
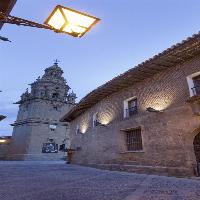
<point x="52" y="127"/>
<point x="2" y="141"/>
<point x="150" y="109"/>
<point x="72" y="22"/>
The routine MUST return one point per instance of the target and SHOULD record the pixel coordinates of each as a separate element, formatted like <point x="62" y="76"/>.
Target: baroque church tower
<point x="37" y="132"/>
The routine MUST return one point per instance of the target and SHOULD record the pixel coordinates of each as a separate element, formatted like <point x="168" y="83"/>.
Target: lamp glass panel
<point x="57" y="20"/>
<point x="78" y="19"/>
<point x="68" y="29"/>
<point x="74" y="29"/>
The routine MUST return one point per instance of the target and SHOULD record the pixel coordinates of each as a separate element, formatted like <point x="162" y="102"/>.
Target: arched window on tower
<point x="42" y="93"/>
<point x="55" y="95"/>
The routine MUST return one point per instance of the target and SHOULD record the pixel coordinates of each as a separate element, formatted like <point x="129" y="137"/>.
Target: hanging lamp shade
<point x="69" y="21"/>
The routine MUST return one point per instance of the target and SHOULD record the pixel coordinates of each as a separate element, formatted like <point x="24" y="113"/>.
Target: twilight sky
<point x="130" y="32"/>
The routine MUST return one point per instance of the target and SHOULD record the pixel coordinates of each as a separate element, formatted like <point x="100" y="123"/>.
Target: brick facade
<point x="167" y="136"/>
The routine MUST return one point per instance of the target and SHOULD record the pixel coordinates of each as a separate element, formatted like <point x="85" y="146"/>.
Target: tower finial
<point x="56" y="61"/>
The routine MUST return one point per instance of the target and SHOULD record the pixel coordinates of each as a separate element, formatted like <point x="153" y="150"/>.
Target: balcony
<point x="131" y="111"/>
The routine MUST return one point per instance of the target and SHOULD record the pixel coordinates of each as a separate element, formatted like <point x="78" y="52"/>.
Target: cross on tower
<point x="56" y="61"/>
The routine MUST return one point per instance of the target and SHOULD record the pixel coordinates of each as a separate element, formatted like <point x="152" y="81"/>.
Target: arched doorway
<point x="197" y="151"/>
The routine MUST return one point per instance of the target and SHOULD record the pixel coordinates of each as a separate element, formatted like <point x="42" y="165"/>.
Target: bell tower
<point x="37" y="132"/>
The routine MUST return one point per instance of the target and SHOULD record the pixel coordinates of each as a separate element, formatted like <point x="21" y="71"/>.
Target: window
<point x="193" y="81"/>
<point x="130" y="107"/>
<point x="55" y="108"/>
<point x="62" y="148"/>
<point x="134" y="140"/>
<point x="55" y="95"/>
<point x="78" y="130"/>
<point x="95" y="120"/>
<point x="42" y="94"/>
<point x="196" y="88"/>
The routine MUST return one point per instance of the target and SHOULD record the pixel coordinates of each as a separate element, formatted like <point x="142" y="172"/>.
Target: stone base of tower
<point x="37" y="157"/>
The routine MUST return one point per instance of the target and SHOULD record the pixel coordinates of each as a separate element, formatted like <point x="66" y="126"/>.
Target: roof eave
<point x="172" y="56"/>
<point x="6" y="7"/>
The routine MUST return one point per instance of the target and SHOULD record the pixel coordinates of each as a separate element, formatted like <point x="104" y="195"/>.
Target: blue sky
<point x="130" y="32"/>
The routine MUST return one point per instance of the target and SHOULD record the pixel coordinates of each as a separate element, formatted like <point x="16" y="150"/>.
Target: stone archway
<point x="196" y="144"/>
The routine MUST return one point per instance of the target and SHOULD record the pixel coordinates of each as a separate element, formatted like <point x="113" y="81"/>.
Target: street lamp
<point x="72" y="22"/>
<point x="61" y="20"/>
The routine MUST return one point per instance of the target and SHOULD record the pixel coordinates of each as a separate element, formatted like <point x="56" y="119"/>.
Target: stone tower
<point x="37" y="132"/>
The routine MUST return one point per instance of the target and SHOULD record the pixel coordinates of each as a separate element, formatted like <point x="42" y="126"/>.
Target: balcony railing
<point x="131" y="111"/>
<point x="196" y="90"/>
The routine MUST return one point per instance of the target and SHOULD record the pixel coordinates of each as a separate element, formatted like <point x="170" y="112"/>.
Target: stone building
<point x="146" y="119"/>
<point x="4" y="146"/>
<point x="37" y="132"/>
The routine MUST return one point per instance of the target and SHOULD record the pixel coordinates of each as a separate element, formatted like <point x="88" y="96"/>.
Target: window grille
<point x="134" y="140"/>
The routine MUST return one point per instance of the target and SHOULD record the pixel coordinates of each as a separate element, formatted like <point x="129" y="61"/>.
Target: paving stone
<point x="58" y="181"/>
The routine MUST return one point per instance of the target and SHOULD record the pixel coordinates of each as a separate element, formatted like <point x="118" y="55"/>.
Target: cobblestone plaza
<point x="28" y="180"/>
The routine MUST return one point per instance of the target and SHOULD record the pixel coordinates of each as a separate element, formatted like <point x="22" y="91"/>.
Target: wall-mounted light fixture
<point x="2" y="141"/>
<point x="99" y="123"/>
<point x="150" y="109"/>
<point x="52" y="127"/>
<point x="4" y="39"/>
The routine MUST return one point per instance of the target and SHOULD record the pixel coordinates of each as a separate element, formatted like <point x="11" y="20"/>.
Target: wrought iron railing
<point x="196" y="90"/>
<point x="131" y="111"/>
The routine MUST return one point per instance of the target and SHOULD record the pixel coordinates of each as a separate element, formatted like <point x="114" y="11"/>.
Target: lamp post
<point x="61" y="20"/>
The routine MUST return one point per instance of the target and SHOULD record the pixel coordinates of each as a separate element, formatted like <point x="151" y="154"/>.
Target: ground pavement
<point x="58" y="181"/>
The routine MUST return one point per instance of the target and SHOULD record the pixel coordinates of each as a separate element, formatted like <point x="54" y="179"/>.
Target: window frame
<point x="126" y="106"/>
<point x="95" y="121"/>
<point x="190" y="82"/>
<point x="78" y="131"/>
<point x="130" y="145"/>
